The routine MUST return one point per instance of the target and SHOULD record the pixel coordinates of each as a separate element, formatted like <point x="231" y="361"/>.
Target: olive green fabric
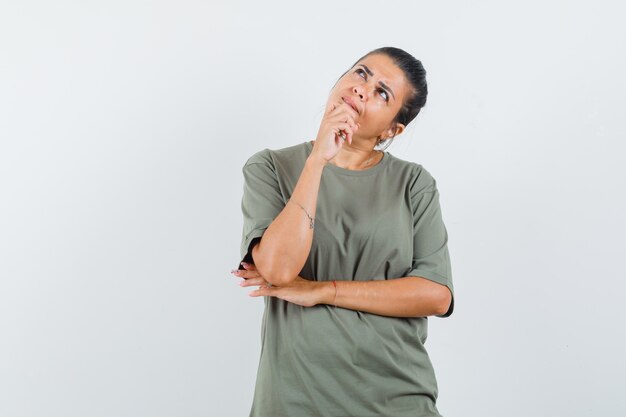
<point x="381" y="223"/>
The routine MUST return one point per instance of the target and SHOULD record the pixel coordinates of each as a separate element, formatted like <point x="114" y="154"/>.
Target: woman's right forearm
<point x="284" y="247"/>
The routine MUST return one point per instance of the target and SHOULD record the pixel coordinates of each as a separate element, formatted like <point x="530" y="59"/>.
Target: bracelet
<point x="334" y="301"/>
<point x="311" y="219"/>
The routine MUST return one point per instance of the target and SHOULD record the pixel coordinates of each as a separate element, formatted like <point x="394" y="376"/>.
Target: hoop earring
<point x="387" y="142"/>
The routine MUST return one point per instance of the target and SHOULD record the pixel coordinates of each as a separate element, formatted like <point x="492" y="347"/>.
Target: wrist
<point x="327" y="292"/>
<point x="316" y="162"/>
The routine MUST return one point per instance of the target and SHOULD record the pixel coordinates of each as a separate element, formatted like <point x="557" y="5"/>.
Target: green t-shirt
<point x="380" y="223"/>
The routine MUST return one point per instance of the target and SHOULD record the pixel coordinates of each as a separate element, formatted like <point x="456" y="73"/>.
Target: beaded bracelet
<point x="311" y="219"/>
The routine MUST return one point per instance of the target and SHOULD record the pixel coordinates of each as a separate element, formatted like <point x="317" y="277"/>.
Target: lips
<point x="351" y="103"/>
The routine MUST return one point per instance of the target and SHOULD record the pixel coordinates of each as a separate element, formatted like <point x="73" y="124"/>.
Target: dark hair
<point x="416" y="75"/>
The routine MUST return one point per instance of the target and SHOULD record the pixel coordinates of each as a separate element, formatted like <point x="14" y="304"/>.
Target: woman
<point x="348" y="246"/>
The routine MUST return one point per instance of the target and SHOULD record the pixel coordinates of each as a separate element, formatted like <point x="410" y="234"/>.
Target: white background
<point x="124" y="126"/>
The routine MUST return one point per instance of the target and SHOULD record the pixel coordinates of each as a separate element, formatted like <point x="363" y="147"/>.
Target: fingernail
<point x="241" y="282"/>
<point x="245" y="263"/>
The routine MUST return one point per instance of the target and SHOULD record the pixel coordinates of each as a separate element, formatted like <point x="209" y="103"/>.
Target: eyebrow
<point x="382" y="84"/>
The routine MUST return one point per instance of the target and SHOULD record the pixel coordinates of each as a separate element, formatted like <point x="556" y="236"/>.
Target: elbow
<point x="276" y="276"/>
<point x="445" y="302"/>
<point x="272" y="268"/>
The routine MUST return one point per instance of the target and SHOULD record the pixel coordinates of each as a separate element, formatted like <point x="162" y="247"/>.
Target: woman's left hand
<point x="301" y="291"/>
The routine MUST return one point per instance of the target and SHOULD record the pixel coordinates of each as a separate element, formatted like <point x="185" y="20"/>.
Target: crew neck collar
<point x="351" y="172"/>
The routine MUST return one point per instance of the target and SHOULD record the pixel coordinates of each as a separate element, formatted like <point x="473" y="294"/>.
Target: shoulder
<point x="419" y="179"/>
<point x="272" y="157"/>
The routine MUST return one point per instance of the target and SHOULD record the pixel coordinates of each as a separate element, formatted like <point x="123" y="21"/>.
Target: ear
<point x="398" y="130"/>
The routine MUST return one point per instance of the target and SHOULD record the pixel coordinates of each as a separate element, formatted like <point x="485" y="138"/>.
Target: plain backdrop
<point x="124" y="126"/>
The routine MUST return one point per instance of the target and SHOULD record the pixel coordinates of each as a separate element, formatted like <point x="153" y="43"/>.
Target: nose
<point x="358" y="90"/>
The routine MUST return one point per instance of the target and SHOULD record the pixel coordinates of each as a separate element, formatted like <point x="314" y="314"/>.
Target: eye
<point x="360" y="72"/>
<point x="386" y="95"/>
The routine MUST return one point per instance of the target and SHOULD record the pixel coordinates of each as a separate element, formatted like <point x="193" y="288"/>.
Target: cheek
<point x="368" y="127"/>
<point x="371" y="121"/>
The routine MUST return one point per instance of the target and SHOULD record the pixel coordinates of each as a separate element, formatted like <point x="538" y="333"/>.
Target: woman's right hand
<point x="339" y="118"/>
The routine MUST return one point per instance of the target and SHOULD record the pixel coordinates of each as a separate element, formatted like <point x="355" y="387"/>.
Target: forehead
<point x="386" y="71"/>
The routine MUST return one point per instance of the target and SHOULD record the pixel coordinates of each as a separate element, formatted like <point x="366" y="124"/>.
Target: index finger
<point x="330" y="106"/>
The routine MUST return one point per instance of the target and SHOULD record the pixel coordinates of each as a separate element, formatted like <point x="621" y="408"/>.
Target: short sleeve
<point x="431" y="259"/>
<point x="261" y="202"/>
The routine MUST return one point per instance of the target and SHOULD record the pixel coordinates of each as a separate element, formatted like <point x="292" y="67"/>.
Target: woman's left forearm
<point x="399" y="297"/>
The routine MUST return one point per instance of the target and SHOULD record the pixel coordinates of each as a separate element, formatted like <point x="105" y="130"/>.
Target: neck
<point x="357" y="156"/>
